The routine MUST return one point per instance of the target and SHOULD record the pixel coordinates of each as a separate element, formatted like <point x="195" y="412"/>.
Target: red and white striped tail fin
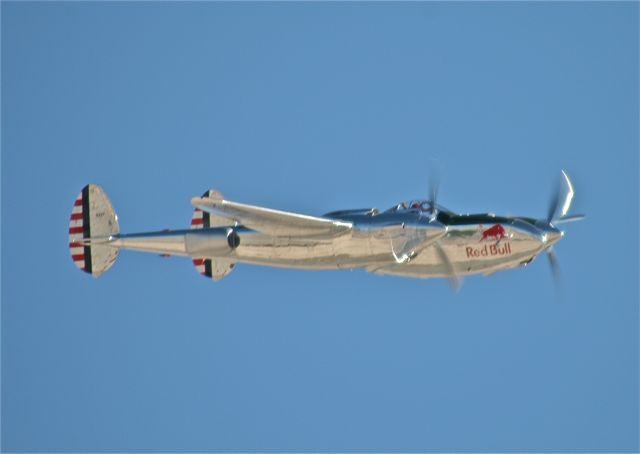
<point x="92" y="218"/>
<point x="204" y="220"/>
<point x="214" y="269"/>
<point x="77" y="233"/>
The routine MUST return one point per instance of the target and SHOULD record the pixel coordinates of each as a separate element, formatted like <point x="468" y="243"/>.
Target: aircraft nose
<point x="553" y="236"/>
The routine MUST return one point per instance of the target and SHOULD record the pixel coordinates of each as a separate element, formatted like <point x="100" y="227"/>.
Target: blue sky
<point x="314" y="107"/>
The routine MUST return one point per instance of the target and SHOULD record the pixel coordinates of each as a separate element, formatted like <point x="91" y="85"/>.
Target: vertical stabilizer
<point x="92" y="217"/>
<point x="213" y="268"/>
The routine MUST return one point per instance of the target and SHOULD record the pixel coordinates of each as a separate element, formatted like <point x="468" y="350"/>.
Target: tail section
<point x="204" y="220"/>
<point x="214" y="269"/>
<point x="92" y="217"/>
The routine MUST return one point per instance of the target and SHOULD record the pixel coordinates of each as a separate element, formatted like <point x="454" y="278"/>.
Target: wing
<point x="272" y="222"/>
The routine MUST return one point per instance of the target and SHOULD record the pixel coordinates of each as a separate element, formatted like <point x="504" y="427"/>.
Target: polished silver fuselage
<point x="368" y="244"/>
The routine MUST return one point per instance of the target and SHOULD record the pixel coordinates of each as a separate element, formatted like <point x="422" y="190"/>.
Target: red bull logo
<point x="496" y="232"/>
<point x="489" y="250"/>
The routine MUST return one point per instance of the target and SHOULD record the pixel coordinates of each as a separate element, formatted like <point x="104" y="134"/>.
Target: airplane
<point x="420" y="239"/>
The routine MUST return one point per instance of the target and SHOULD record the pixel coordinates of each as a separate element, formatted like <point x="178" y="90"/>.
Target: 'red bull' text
<point x="489" y="250"/>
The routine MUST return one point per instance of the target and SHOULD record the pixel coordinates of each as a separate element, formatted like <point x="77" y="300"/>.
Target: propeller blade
<point x="434" y="186"/>
<point x="572" y="218"/>
<point x="558" y="207"/>
<point x="555" y="268"/>
<point x="568" y="197"/>
<point x="408" y="245"/>
<point x="455" y="281"/>
<point x="553" y="204"/>
<point x="404" y="249"/>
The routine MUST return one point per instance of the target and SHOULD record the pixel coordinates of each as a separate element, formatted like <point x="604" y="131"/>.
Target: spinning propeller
<point x="455" y="281"/>
<point x="545" y="229"/>
<point x="559" y="206"/>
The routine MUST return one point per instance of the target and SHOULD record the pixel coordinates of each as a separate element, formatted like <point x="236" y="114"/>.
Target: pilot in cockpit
<point x="425" y="206"/>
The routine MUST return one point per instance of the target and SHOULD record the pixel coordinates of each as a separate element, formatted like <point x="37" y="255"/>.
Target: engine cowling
<point x="217" y="242"/>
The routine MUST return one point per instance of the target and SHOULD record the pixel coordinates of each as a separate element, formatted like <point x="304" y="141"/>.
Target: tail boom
<point x="211" y="243"/>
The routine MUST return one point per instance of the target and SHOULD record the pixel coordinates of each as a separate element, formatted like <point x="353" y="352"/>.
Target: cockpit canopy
<point x="418" y="205"/>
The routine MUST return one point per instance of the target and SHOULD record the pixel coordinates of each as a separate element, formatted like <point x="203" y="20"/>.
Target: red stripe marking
<point x="77" y="257"/>
<point x="75" y="244"/>
<point x="76" y="216"/>
<point x="198" y="262"/>
<point x="73" y="230"/>
<point x="78" y="202"/>
<point x="197" y="221"/>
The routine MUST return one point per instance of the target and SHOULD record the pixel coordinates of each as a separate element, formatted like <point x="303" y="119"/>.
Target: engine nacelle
<point x="217" y="242"/>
